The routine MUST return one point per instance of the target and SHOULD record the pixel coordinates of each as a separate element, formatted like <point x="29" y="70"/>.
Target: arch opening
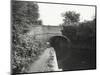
<point x="61" y="46"/>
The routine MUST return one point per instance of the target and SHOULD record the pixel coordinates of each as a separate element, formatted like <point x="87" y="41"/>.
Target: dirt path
<point x="41" y="64"/>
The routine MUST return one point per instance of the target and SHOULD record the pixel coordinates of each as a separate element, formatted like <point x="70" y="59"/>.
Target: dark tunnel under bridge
<point x="61" y="46"/>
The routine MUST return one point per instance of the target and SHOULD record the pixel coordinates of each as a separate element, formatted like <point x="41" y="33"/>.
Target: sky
<point x="51" y="14"/>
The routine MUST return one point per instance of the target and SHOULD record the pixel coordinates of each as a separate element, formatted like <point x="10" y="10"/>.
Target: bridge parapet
<point x="41" y="32"/>
<point x="46" y="36"/>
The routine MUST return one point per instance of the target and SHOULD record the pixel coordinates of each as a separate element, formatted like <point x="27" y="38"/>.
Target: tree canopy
<point x="83" y="41"/>
<point x="70" y="17"/>
<point x="25" y="12"/>
<point x="24" y="15"/>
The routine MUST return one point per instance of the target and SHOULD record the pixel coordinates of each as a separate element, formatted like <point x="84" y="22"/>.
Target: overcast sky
<point x="50" y="14"/>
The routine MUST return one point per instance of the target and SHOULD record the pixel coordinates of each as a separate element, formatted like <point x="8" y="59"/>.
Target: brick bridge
<point x="42" y="32"/>
<point x="53" y="35"/>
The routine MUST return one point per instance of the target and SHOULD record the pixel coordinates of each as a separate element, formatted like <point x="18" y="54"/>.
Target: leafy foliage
<point x="70" y="17"/>
<point x="83" y="45"/>
<point x="70" y="32"/>
<point x="25" y="12"/>
<point x="25" y="49"/>
<point x="25" y="53"/>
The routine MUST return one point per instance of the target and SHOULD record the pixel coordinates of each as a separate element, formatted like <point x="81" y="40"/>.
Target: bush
<point x="25" y="53"/>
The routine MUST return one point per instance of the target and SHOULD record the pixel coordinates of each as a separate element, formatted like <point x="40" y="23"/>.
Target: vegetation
<point x="25" y="49"/>
<point x="70" y="17"/>
<point x="25" y="53"/>
<point x="83" y="43"/>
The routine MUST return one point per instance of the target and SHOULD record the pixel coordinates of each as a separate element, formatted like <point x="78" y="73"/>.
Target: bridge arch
<point x="59" y="38"/>
<point x="61" y="45"/>
<point x="53" y="35"/>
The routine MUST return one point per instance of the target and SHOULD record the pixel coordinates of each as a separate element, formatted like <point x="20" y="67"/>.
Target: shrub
<point x="25" y="53"/>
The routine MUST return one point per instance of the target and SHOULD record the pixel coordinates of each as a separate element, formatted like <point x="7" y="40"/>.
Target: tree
<point x="24" y="12"/>
<point x="83" y="43"/>
<point x="69" y="24"/>
<point x="24" y="15"/>
<point x="70" y="17"/>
